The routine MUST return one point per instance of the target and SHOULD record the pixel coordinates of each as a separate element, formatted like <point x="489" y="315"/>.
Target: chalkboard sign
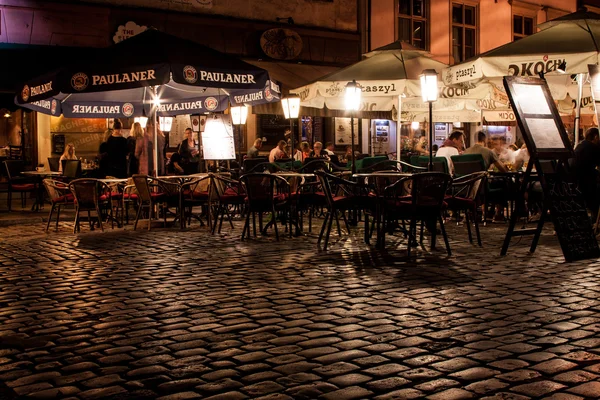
<point x="58" y="144"/>
<point x="571" y="221"/>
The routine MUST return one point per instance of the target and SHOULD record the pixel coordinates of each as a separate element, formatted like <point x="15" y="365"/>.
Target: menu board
<point x="178" y="127"/>
<point x="537" y="115"/>
<point x="218" y="142"/>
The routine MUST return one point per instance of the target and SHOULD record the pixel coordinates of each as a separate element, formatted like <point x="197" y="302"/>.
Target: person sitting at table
<point x="278" y="152"/>
<point x="144" y="151"/>
<point x="587" y="158"/>
<point x="303" y="152"/>
<point x="174" y="164"/>
<point x="421" y="146"/>
<point x="69" y="154"/>
<point x="318" y="150"/>
<point x="254" y="150"/>
<point x="452" y="146"/>
<point x="116" y="150"/>
<point x="190" y="155"/>
<point x="329" y="147"/>
<point x="489" y="156"/>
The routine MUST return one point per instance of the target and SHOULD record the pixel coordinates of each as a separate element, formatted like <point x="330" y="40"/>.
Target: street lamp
<point x="291" y="110"/>
<point x="352" y="97"/>
<point x="238" y="117"/>
<point x="429" y="92"/>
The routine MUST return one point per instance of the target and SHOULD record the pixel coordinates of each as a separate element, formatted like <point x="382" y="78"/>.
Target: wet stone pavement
<point x="176" y="314"/>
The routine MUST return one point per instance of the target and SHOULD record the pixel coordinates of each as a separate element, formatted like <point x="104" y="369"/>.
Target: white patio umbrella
<point x="570" y="41"/>
<point x="389" y="77"/>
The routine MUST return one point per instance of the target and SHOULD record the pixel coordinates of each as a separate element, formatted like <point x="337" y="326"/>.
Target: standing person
<point x="253" y="151"/>
<point x="116" y="148"/>
<point x="587" y="158"/>
<point x="278" y="152"/>
<point x="68" y="154"/>
<point x="161" y="142"/>
<point x="190" y="155"/>
<point x="452" y="146"/>
<point x="143" y="149"/>
<point x="489" y="156"/>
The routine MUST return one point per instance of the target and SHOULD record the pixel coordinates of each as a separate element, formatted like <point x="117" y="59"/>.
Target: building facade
<point x="327" y="32"/>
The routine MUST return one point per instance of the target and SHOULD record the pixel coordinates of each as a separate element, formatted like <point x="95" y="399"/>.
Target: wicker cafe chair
<point x="87" y="193"/>
<point x="171" y="190"/>
<point x="464" y="197"/>
<point x="341" y="196"/>
<point x="229" y="193"/>
<point x="265" y="193"/>
<point x="59" y="195"/>
<point x="146" y="198"/>
<point x="425" y="203"/>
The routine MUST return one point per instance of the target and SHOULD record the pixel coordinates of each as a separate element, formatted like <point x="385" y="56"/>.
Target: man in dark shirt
<point x="116" y="147"/>
<point x="587" y="158"/>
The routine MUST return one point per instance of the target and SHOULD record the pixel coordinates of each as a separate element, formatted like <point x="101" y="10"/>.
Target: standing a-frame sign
<point x="550" y="149"/>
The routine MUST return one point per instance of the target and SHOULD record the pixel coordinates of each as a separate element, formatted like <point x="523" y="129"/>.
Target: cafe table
<point x="40" y="175"/>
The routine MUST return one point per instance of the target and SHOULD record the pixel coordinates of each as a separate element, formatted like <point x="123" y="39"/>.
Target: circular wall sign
<point x="281" y="44"/>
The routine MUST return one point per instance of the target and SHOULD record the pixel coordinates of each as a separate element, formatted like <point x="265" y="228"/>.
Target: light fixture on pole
<point x="165" y="123"/>
<point x="352" y="98"/>
<point x="562" y="67"/>
<point x="291" y="110"/>
<point x="239" y="114"/>
<point x="429" y="93"/>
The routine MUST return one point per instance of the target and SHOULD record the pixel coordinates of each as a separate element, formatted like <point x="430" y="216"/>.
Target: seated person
<point x="318" y="150"/>
<point x="452" y="146"/>
<point x="253" y="151"/>
<point x="329" y="147"/>
<point x="278" y="152"/>
<point x="174" y="164"/>
<point x="489" y="157"/>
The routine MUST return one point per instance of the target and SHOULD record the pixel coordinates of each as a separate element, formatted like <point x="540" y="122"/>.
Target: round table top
<point x="41" y="173"/>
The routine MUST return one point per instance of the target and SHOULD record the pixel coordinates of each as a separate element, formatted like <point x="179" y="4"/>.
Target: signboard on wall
<point x="382" y="130"/>
<point x="177" y="133"/>
<point x="128" y="30"/>
<point x="343" y="135"/>
<point x="440" y="132"/>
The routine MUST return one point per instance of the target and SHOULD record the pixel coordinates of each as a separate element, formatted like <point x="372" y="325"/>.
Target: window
<point x="522" y="26"/>
<point x="464" y="31"/>
<point x="412" y="22"/>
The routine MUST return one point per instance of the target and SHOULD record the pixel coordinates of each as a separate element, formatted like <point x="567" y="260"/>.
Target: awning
<point x="290" y="76"/>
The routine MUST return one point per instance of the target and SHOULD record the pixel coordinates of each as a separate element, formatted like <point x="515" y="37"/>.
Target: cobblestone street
<point x="176" y="314"/>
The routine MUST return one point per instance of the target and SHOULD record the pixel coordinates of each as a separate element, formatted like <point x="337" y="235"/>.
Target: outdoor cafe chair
<point x="425" y="202"/>
<point x="341" y="196"/>
<point x="18" y="183"/>
<point x="195" y="193"/>
<point x="265" y="193"/>
<point x="146" y="198"/>
<point x="393" y="165"/>
<point x="465" y="197"/>
<point x="60" y="196"/>
<point x="71" y="169"/>
<point x="91" y="195"/>
<point x="228" y="193"/>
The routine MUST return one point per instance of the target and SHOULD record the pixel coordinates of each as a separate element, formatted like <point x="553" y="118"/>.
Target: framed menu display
<point x="218" y="142"/>
<point x="539" y="121"/>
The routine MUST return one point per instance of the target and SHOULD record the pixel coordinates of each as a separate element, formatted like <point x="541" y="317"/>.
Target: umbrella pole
<point x="578" y="108"/>
<point x="398" y="129"/>
<point x="154" y="118"/>
<point x="352" y="141"/>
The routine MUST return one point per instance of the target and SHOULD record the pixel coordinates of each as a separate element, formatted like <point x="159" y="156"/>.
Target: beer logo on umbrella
<point x="268" y="94"/>
<point x="128" y="109"/>
<point x="190" y="74"/>
<point x="79" y="81"/>
<point x="53" y="107"/>
<point x="25" y="93"/>
<point x="211" y="103"/>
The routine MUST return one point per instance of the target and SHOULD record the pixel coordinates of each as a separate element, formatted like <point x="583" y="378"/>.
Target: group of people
<point x="496" y="153"/>
<point x="121" y="156"/>
<point x="283" y="151"/>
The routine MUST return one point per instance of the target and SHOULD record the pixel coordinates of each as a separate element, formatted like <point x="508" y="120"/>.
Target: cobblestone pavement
<point x="176" y="314"/>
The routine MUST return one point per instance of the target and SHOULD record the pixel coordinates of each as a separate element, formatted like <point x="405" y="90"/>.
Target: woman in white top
<point x="69" y="154"/>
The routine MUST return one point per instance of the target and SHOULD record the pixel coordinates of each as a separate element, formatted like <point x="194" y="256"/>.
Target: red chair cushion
<point x="130" y="196"/>
<point x="114" y="196"/>
<point x="456" y="203"/>
<point x="67" y="198"/>
<point x="23" y="186"/>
